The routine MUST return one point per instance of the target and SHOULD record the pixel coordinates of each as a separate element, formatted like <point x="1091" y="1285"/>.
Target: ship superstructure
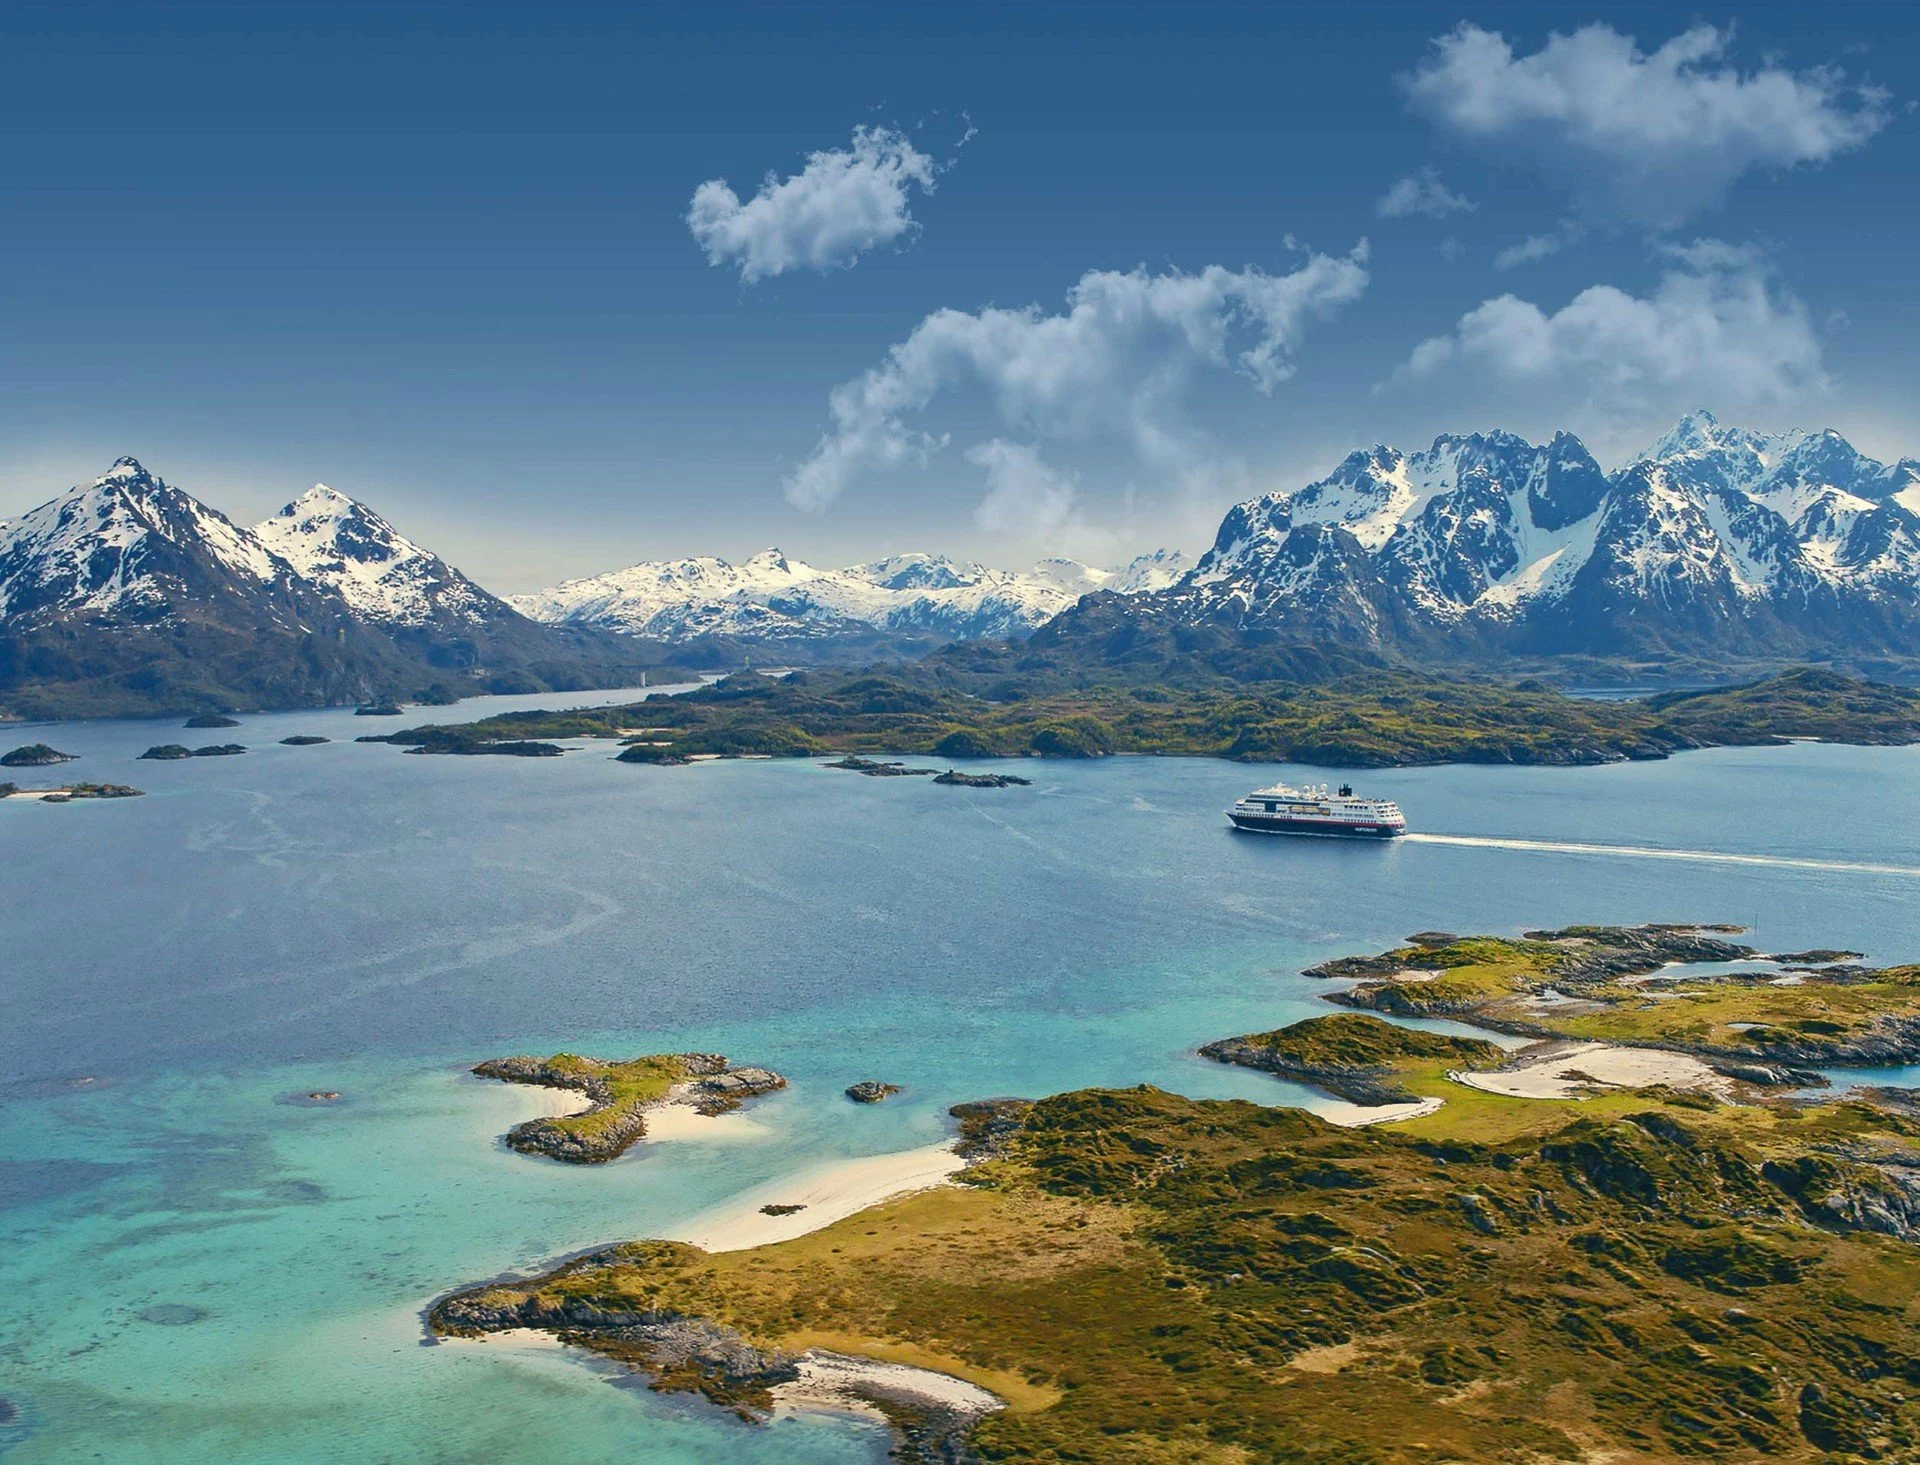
<point x="1313" y="810"/>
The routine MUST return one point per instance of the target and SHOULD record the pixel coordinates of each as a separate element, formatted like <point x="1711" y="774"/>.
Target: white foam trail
<point x="1649" y="852"/>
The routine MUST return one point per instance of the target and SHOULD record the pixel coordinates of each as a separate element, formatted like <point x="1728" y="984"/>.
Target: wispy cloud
<point x="1115" y="364"/>
<point x="1539" y="246"/>
<point x="842" y="204"/>
<point x="1643" y="137"/>
<point x="1421" y="193"/>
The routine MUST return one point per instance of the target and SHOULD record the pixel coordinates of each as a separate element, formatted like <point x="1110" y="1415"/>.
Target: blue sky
<point x="441" y="258"/>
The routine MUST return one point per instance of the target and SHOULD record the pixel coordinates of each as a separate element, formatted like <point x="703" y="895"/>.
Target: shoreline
<point x="826" y="1193"/>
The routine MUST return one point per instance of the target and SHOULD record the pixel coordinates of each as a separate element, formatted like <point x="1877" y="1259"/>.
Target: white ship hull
<point x="1283" y="810"/>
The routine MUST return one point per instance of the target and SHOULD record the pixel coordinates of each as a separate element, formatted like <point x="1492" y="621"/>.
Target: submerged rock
<point x="854" y="763"/>
<point x="172" y="1314"/>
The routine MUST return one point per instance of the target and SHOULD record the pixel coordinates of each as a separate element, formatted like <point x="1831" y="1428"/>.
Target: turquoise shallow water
<point x="193" y="1270"/>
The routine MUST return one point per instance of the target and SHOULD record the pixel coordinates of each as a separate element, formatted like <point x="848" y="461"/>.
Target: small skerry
<point x="1285" y="810"/>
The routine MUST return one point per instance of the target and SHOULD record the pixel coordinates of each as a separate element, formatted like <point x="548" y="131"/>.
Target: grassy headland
<point x="1613" y="984"/>
<point x="1151" y="1278"/>
<point x="1370" y="720"/>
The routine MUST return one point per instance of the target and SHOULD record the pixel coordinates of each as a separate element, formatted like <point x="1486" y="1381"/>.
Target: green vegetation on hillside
<point x="1373" y="720"/>
<point x="1149" y="1278"/>
<point x="1628" y="1275"/>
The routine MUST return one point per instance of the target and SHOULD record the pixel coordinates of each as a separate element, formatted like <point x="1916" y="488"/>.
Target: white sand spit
<point x="1567" y="1070"/>
<point x="845" y="1384"/>
<point x="1359" y="1116"/>
<point x="827" y="1195"/>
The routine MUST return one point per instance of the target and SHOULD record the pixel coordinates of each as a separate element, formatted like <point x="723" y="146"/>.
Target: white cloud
<point x="1421" y="193"/>
<point x="843" y="203"/>
<point x="1539" y="246"/>
<point x="1027" y="499"/>
<point x="1644" y="137"/>
<point x="1717" y="327"/>
<point x="1117" y="363"/>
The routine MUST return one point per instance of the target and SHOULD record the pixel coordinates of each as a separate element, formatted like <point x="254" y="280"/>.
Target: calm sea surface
<point x="194" y="1270"/>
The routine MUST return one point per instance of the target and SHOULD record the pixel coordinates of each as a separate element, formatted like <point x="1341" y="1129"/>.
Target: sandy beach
<point x="551" y="1103"/>
<point x="829" y="1194"/>
<point x="1565" y="1070"/>
<point x="843" y="1383"/>
<point x="1359" y="1116"/>
<point x="675" y="1118"/>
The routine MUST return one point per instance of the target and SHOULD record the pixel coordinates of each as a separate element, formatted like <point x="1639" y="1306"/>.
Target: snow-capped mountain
<point x="383" y="576"/>
<point x="1715" y="540"/>
<point x="129" y="595"/>
<point x="776" y="598"/>
<point x="129" y="546"/>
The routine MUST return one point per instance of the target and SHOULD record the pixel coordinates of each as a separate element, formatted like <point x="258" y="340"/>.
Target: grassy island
<point x="1628" y="1274"/>
<point x="619" y="1095"/>
<point x="35" y="755"/>
<point x="1360" y="721"/>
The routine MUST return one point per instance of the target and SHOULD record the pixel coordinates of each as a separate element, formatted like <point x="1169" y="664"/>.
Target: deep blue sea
<point x="194" y="1270"/>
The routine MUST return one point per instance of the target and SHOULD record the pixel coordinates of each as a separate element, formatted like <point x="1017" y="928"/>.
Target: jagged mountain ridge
<point x="1715" y="541"/>
<point x="772" y="597"/>
<point x="128" y="595"/>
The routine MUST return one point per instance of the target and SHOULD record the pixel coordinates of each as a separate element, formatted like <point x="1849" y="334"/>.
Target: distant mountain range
<point x="128" y="595"/>
<point x="777" y="600"/>
<point x="1717" y="547"/>
<point x="1716" y="543"/>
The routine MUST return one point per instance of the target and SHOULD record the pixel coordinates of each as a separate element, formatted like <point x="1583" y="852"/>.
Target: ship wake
<point x="1653" y="852"/>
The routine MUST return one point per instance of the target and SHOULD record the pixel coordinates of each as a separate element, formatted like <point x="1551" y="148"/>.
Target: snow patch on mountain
<point x="127" y="544"/>
<point x="1715" y="530"/>
<point x="772" y="596"/>
<point x="384" y="577"/>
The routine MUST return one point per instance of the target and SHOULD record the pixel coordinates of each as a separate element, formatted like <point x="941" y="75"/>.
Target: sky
<point x="557" y="288"/>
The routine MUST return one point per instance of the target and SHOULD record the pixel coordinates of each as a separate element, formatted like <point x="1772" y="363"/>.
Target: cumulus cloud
<point x="1717" y="326"/>
<point x="1116" y="362"/>
<point x="1642" y="137"/>
<point x="842" y="204"/>
<point x="1421" y="193"/>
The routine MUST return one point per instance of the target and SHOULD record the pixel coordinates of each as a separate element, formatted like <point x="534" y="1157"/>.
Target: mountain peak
<point x="321" y="494"/>
<point x="1696" y="431"/>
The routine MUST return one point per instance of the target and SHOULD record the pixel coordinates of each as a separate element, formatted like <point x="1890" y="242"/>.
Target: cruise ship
<point x="1284" y="810"/>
